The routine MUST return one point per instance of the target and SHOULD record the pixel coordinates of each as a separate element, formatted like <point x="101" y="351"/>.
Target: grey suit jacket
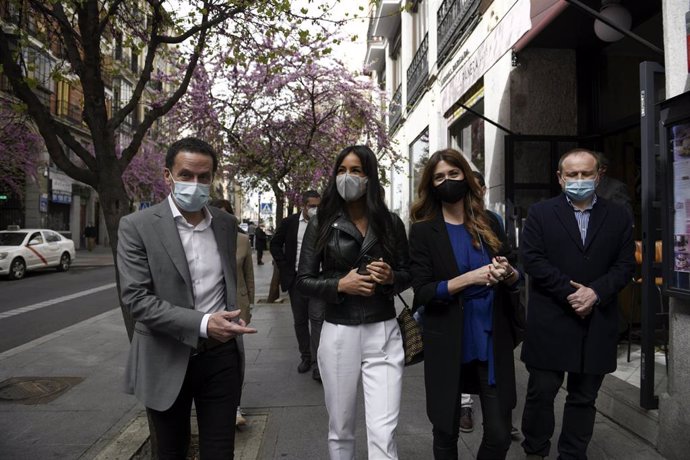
<point x="156" y="286"/>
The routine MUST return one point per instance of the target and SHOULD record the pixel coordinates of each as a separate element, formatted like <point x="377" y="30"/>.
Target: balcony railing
<point x="418" y="72"/>
<point x="456" y="18"/>
<point x="395" y="110"/>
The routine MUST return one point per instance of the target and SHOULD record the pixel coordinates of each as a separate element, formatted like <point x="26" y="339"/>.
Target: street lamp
<point x="618" y="15"/>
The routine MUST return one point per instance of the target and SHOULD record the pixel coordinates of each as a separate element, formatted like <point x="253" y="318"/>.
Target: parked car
<point x="30" y="249"/>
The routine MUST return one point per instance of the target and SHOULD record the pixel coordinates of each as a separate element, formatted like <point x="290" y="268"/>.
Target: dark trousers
<point x="578" y="415"/>
<point x="306" y="311"/>
<point x="213" y="382"/>
<point x="496" y="422"/>
<point x="259" y="255"/>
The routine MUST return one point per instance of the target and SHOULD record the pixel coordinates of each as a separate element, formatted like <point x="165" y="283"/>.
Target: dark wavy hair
<point x="332" y="204"/>
<point x="427" y="205"/>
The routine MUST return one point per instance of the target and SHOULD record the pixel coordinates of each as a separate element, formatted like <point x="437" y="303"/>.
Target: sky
<point x="351" y="53"/>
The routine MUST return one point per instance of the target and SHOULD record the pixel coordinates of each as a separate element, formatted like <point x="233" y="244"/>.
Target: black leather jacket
<point x="319" y="272"/>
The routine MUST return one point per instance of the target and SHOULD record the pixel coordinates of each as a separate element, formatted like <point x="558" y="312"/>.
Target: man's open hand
<point x="221" y="326"/>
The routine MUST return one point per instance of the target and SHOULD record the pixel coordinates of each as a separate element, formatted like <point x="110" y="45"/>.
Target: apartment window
<point x="118" y="45"/>
<point x="62" y="91"/>
<point x="420" y="22"/>
<point x="135" y="61"/>
<point x="39" y="67"/>
<point x="467" y="135"/>
<point x="419" y="154"/>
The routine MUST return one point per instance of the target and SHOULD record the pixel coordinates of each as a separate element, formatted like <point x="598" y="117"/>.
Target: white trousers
<point x="375" y="353"/>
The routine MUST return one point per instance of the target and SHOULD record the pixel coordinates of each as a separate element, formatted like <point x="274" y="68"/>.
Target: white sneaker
<point x="239" y="418"/>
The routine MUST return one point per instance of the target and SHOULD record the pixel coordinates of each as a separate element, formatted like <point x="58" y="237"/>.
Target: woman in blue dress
<point x="463" y="277"/>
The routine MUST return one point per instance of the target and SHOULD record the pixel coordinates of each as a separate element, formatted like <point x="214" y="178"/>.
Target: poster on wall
<point x="677" y="269"/>
<point x="680" y="145"/>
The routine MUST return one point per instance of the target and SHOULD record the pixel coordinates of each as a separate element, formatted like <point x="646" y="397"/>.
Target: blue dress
<point x="477" y="341"/>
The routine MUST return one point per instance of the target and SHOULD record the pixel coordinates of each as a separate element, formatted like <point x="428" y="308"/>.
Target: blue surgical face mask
<point x="580" y="190"/>
<point x="190" y="196"/>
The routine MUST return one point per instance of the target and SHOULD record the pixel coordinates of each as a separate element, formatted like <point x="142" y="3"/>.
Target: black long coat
<point x="284" y="250"/>
<point x="553" y="255"/>
<point x="432" y="261"/>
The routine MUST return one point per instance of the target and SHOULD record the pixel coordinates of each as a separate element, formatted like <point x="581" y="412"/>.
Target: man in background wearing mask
<point x="176" y="262"/>
<point x="285" y="249"/>
<point x="578" y="251"/>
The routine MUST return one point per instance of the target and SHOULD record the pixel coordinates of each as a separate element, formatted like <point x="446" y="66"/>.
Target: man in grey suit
<point x="176" y="262"/>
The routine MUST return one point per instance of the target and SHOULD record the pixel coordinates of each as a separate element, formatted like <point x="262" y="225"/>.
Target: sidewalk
<point x="100" y="256"/>
<point x="286" y="413"/>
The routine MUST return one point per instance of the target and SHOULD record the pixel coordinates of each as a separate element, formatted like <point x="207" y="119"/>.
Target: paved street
<point x="285" y="409"/>
<point x="47" y="301"/>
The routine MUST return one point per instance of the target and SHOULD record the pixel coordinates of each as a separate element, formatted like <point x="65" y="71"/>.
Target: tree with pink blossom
<point x="82" y="38"/>
<point x="20" y="147"/>
<point x="287" y="117"/>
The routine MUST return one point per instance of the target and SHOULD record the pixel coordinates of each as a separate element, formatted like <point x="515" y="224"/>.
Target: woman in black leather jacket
<point x="355" y="258"/>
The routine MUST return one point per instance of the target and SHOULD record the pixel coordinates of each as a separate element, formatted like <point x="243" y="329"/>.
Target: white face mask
<point x="311" y="212"/>
<point x="351" y="187"/>
<point x="190" y="196"/>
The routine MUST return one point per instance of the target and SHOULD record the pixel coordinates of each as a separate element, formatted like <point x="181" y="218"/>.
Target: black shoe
<point x="304" y="366"/>
<point x="259" y="263"/>
<point x="316" y="375"/>
<point x="466" y="422"/>
<point x="515" y="433"/>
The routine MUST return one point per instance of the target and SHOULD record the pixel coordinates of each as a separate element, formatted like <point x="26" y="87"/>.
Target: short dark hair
<point x="222" y="204"/>
<point x="191" y="145"/>
<point x="480" y="178"/>
<point x="577" y="151"/>
<point x="310" y="194"/>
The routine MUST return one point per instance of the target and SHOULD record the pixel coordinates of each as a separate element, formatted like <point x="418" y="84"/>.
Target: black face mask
<point x="451" y="191"/>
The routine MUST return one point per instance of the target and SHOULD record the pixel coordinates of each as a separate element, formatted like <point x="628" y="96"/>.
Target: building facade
<point x="52" y="199"/>
<point x="514" y="84"/>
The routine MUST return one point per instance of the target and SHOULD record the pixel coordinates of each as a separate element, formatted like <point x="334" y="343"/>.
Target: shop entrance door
<point x="530" y="173"/>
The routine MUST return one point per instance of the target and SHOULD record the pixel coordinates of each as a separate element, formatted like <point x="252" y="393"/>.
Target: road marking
<point x="47" y="303"/>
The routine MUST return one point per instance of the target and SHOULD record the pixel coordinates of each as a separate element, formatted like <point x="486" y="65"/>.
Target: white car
<point x="30" y="249"/>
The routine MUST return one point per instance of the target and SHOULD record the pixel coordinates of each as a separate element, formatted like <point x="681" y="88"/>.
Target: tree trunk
<point x="115" y="204"/>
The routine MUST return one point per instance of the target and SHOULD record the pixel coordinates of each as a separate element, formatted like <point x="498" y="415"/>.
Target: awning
<point x="542" y="13"/>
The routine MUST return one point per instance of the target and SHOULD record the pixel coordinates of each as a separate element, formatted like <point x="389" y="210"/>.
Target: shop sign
<point x="473" y="65"/>
<point x="43" y="203"/>
<point x="62" y="198"/>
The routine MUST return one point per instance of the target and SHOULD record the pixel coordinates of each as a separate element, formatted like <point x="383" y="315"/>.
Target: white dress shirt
<point x="300" y="236"/>
<point x="203" y="259"/>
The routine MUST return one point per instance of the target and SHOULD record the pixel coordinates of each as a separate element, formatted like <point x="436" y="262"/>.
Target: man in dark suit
<point x="611" y="188"/>
<point x="285" y="249"/>
<point x="578" y="251"/>
<point x="176" y="262"/>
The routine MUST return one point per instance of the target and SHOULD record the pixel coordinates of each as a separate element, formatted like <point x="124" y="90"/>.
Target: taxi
<point x="26" y="249"/>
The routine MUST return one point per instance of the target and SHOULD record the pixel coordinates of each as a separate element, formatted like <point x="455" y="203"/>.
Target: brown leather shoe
<point x="466" y="421"/>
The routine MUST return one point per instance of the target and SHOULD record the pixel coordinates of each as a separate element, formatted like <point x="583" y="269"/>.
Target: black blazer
<point x="284" y="250"/>
<point x="553" y="255"/>
<point x="433" y="261"/>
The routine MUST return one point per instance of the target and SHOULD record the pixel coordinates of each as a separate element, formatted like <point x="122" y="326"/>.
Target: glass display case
<point x="675" y="152"/>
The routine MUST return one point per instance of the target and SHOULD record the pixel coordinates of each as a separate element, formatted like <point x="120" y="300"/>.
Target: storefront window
<point x="467" y="135"/>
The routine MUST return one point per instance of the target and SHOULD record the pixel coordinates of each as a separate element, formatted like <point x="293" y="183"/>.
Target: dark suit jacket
<point x="284" y="250"/>
<point x="432" y="260"/>
<point x="553" y="255"/>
